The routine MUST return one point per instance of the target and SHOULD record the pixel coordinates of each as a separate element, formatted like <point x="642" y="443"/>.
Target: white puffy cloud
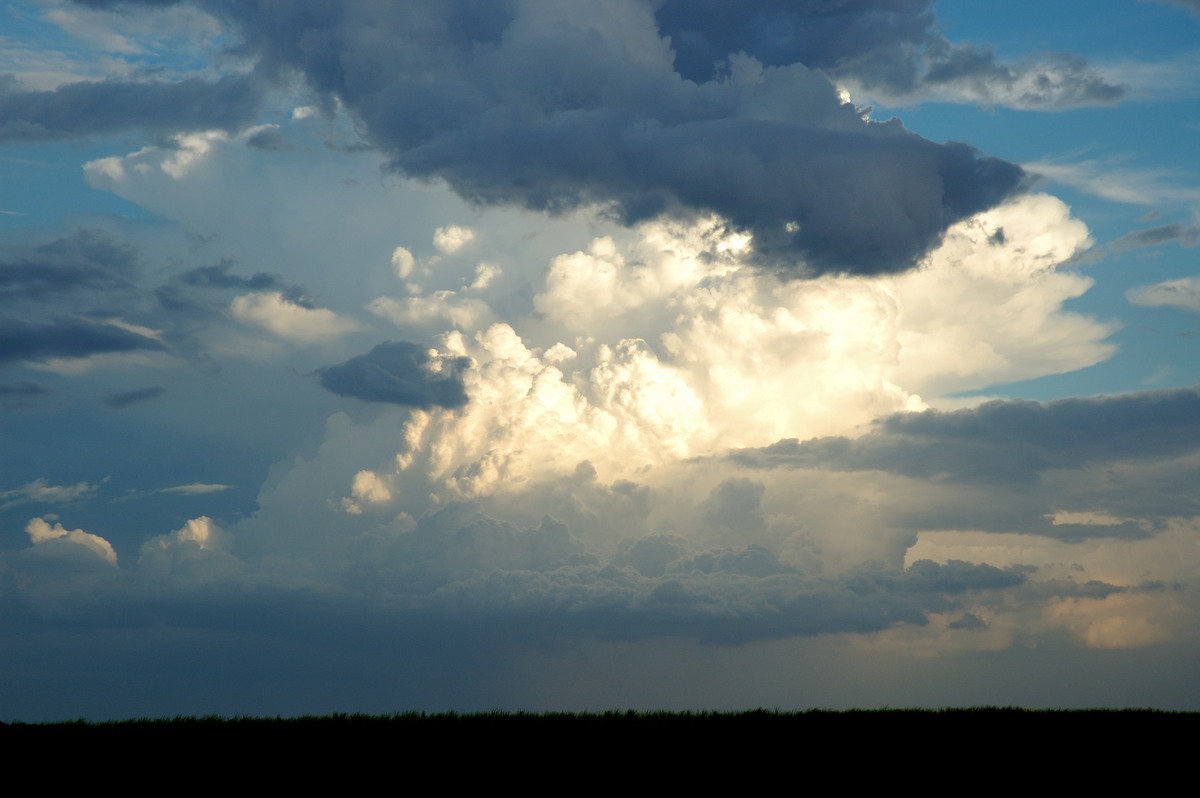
<point x="642" y="359"/>
<point x="199" y="549"/>
<point x="432" y="311"/>
<point x="367" y="488"/>
<point x="679" y="349"/>
<point x="274" y="312"/>
<point x="451" y="238"/>
<point x="41" y="533"/>
<point x="176" y="162"/>
<point x="403" y="262"/>
<point x="988" y="305"/>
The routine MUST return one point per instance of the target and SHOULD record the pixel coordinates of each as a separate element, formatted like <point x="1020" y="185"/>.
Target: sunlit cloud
<point x="40" y="490"/>
<point x="272" y="311"/>
<point x="42" y="534"/>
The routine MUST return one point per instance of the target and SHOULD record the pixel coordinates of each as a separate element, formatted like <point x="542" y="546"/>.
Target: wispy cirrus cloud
<point x="40" y="491"/>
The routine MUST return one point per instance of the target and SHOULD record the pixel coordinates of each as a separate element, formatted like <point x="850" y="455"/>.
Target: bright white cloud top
<point x="585" y="355"/>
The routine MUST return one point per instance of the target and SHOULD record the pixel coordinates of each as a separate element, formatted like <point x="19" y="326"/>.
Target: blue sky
<point x="571" y="356"/>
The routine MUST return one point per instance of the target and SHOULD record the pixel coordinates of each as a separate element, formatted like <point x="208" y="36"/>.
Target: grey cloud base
<point x="559" y="106"/>
<point x="399" y="373"/>
<point x="77" y="110"/>
<point x="470" y="584"/>
<point x="1010" y="466"/>
<point x="58" y="296"/>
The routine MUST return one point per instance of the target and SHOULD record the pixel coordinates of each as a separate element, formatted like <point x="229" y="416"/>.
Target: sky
<point x="577" y="355"/>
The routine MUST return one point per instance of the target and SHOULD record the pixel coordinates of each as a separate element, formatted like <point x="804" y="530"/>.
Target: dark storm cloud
<point x="219" y="276"/>
<point x="399" y="373"/>
<point x="1016" y="466"/>
<point x="266" y="140"/>
<point x="458" y="563"/>
<point x="204" y="636"/>
<point x="76" y="110"/>
<point x="58" y="299"/>
<point x="818" y="33"/>
<point x="1188" y="236"/>
<point x="889" y="45"/>
<point x="570" y="104"/>
<point x="86" y="293"/>
<point x="969" y="620"/>
<point x="65" y="337"/>
<point x="1007" y="442"/>
<point x="130" y="398"/>
<point x="1048" y="80"/>
<point x="179" y="297"/>
<point x="87" y="261"/>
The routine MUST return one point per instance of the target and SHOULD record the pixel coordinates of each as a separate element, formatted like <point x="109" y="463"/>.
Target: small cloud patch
<point x="125" y="399"/>
<point x="400" y="373"/>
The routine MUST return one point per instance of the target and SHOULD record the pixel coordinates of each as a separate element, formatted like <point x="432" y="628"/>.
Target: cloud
<point x="665" y="343"/>
<point x="130" y="398"/>
<point x="219" y="276"/>
<point x="1191" y="5"/>
<point x="452" y="238"/>
<point x="1113" y="181"/>
<point x="47" y="538"/>
<point x="41" y="491"/>
<point x="89" y="108"/>
<point x="609" y="405"/>
<point x="66" y="338"/>
<point x="1008" y="441"/>
<point x="435" y="309"/>
<point x="85" y="260"/>
<point x="555" y="106"/>
<point x="23" y="388"/>
<point x="400" y="373"/>
<point x="194" y="489"/>
<point x="1182" y="293"/>
<point x="1044" y="81"/>
<point x="1188" y="236"/>
<point x="198" y="551"/>
<point x="66" y="299"/>
<point x="1049" y="469"/>
<point x="552" y="463"/>
<point x="889" y="50"/>
<point x="287" y="319"/>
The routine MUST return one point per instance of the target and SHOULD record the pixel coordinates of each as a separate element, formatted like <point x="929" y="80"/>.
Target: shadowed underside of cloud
<point x="887" y="46"/>
<point x="555" y="106"/>
<point x="23" y="388"/>
<point x="83" y="109"/>
<point x="477" y="565"/>
<point x="66" y="338"/>
<point x="1007" y="442"/>
<point x="462" y="570"/>
<point x="219" y="276"/>
<point x="130" y="398"/>
<point x="1187" y="235"/>
<point x="400" y="373"/>
<point x="65" y="299"/>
